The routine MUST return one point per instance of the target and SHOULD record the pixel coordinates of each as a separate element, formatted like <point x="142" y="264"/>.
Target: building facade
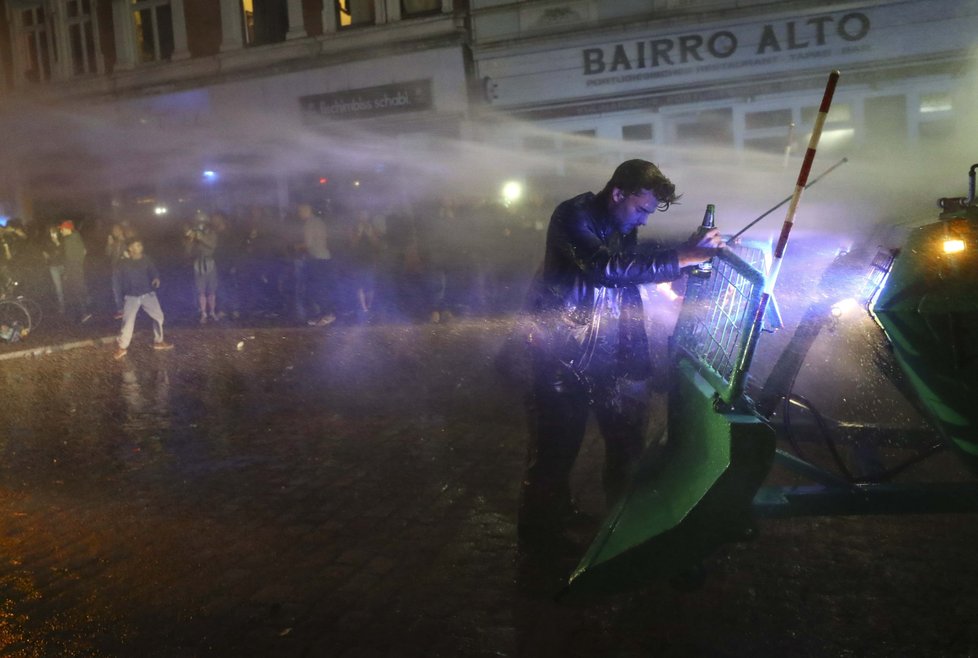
<point x="734" y="81"/>
<point x="146" y="99"/>
<point x="153" y="101"/>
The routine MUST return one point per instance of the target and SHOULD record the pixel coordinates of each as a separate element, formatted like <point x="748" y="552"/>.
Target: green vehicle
<point x="928" y="309"/>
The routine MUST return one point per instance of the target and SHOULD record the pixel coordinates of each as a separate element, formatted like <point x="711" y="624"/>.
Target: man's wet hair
<point x="633" y="176"/>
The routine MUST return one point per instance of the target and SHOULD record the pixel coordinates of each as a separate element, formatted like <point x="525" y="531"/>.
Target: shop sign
<point x="788" y="36"/>
<point x="382" y="100"/>
<point x="861" y="34"/>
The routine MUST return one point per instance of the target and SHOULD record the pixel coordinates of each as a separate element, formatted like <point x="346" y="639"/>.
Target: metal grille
<point x="881" y="266"/>
<point x="721" y="317"/>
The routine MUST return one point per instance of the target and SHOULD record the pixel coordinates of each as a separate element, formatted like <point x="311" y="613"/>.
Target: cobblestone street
<point x="352" y="492"/>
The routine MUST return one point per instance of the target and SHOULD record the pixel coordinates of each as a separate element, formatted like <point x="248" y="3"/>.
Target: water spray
<point x="788" y="198"/>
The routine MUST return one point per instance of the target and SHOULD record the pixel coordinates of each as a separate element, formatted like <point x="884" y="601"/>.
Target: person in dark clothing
<point x="12" y="238"/>
<point x="365" y="251"/>
<point x="588" y="343"/>
<point x="137" y="278"/>
<point x="200" y="243"/>
<point x="75" y="287"/>
<point x="115" y="251"/>
<point x="54" y="255"/>
<point x="228" y="255"/>
<point x="261" y="270"/>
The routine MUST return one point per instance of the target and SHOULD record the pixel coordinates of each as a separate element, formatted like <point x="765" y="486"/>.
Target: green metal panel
<point x="685" y="501"/>
<point x="928" y="308"/>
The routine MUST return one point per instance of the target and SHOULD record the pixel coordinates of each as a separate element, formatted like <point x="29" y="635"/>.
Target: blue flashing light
<point x="210" y="175"/>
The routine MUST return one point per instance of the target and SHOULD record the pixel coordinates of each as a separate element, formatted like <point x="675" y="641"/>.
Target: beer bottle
<point x="703" y="270"/>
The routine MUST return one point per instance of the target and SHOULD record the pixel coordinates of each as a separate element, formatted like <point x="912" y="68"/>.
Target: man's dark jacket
<point x="586" y="306"/>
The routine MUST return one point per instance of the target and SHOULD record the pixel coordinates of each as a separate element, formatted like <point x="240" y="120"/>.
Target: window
<point x="81" y="37"/>
<point x="936" y="103"/>
<point x="936" y="119"/>
<point x="838" y="113"/>
<point x="639" y="132"/>
<point x="581" y="147"/>
<point x="154" y="29"/>
<point x="410" y="8"/>
<point x="248" y="21"/>
<point x="714" y="127"/>
<point x="354" y="13"/>
<point x="37" y="44"/>
<point x="539" y="143"/>
<point x="265" y="21"/>
<point x="770" y="131"/>
<point x="767" y="119"/>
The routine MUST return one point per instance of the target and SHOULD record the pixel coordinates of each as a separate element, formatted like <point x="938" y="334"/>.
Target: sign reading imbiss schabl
<point x="413" y="96"/>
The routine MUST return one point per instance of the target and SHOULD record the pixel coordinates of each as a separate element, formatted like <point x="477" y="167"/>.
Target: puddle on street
<point x="80" y="414"/>
<point x="143" y="470"/>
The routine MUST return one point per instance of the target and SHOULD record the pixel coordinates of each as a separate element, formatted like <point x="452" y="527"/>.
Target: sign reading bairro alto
<point x="723" y="44"/>
<point x="862" y="34"/>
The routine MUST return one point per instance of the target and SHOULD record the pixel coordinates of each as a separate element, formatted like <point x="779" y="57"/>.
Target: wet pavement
<point x="351" y="491"/>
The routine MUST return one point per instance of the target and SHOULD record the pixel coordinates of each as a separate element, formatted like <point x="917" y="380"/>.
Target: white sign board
<point x="722" y="51"/>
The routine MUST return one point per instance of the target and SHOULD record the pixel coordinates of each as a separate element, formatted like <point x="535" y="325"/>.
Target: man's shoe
<point x="162" y="346"/>
<point x="329" y="318"/>
<point x="203" y="319"/>
<point x="119" y="353"/>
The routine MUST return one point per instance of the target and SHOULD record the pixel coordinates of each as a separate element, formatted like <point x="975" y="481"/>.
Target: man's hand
<point x="155" y="283"/>
<point x="700" y="247"/>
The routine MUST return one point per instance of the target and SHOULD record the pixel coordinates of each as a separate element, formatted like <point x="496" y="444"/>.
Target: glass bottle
<point x="705" y="269"/>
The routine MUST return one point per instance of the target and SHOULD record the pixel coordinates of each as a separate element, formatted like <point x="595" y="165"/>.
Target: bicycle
<point x="19" y="315"/>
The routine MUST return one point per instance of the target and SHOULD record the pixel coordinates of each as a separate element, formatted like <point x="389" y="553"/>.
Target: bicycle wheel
<point x="15" y="321"/>
<point x="33" y="310"/>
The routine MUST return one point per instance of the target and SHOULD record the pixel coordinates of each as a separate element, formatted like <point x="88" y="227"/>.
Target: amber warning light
<point x="953" y="245"/>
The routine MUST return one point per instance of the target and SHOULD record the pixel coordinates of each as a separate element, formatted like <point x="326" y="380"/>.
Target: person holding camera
<point x="588" y="344"/>
<point x="200" y="242"/>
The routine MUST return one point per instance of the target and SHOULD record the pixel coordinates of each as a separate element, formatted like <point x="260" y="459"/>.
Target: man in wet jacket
<point x="588" y="342"/>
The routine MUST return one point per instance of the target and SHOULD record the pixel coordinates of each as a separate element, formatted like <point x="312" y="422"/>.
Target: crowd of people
<point x="311" y="265"/>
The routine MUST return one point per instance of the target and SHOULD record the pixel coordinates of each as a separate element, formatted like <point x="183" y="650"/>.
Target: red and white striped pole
<point x="806" y="167"/>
